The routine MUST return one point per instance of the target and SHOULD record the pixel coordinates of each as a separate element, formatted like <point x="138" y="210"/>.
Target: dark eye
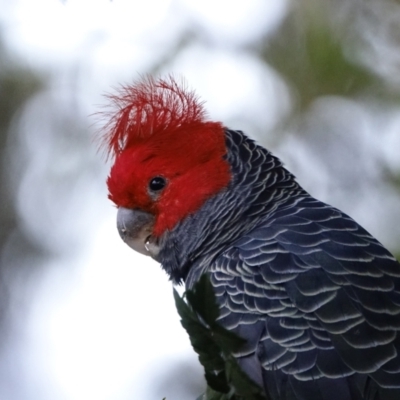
<point x="157" y="183"/>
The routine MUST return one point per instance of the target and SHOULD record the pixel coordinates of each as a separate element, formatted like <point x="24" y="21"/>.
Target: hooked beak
<point x="135" y="228"/>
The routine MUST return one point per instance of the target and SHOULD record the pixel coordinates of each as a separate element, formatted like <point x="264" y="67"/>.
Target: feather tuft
<point x="149" y="107"/>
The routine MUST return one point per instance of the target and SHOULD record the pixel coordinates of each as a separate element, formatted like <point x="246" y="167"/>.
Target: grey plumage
<point x="315" y="295"/>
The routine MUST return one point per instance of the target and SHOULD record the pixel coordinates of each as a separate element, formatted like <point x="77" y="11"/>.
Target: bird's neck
<point x="259" y="186"/>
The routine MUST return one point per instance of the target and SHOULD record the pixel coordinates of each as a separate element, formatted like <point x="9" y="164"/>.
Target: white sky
<point x="91" y="334"/>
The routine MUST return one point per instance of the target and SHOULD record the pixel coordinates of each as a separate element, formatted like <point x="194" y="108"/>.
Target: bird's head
<point x="169" y="158"/>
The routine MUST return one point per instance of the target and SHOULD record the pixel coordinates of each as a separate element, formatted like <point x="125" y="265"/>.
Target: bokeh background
<point x="316" y="81"/>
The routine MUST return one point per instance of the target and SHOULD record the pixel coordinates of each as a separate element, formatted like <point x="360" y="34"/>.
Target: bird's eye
<point x="157" y="183"/>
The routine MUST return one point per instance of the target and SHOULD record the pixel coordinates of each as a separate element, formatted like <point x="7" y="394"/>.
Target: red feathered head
<point x="160" y="129"/>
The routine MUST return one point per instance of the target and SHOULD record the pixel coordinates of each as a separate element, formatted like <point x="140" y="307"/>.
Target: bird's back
<point x="318" y="300"/>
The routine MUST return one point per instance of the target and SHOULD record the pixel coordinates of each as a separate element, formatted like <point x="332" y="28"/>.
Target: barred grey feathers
<point x="316" y="296"/>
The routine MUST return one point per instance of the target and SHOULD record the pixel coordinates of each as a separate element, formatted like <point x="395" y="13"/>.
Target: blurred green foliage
<point x="308" y="51"/>
<point x="17" y="85"/>
<point x="345" y="49"/>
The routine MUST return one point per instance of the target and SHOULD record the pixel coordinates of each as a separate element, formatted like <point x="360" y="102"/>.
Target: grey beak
<point x="135" y="228"/>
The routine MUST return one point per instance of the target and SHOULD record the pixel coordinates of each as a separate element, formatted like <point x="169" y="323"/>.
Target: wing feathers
<point x="328" y="297"/>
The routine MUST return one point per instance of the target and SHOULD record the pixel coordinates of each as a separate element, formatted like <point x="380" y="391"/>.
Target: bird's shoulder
<point x="319" y="235"/>
<point x="308" y="252"/>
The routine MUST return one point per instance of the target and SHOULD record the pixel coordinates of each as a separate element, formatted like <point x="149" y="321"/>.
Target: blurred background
<point x="315" y="81"/>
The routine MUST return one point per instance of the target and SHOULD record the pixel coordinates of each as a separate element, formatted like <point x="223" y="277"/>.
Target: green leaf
<point x="244" y="387"/>
<point x="214" y="345"/>
<point x="313" y="55"/>
<point x="212" y="395"/>
<point x="202" y="300"/>
<point x="200" y="337"/>
<point x="217" y="381"/>
<point x="228" y="341"/>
